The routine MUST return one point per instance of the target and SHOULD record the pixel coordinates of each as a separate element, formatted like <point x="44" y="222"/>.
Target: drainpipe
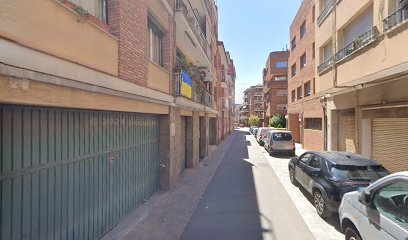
<point x="334" y="37"/>
<point x="323" y="101"/>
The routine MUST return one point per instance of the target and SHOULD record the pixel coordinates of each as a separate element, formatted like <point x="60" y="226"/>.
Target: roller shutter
<point x="390" y="142"/>
<point x="346" y="131"/>
<point x="73" y="174"/>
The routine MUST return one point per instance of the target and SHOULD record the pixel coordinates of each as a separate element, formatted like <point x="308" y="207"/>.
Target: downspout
<point x="323" y="101"/>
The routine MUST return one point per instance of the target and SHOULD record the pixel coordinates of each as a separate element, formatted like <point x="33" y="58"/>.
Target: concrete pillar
<point x="193" y="140"/>
<point x="204" y="127"/>
<point x="332" y="127"/>
<point x="169" y="151"/>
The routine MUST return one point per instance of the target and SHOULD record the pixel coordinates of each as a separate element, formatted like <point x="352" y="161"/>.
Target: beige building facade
<point x="361" y="77"/>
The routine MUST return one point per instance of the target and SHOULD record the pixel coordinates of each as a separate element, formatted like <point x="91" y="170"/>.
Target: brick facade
<point x="128" y="22"/>
<point x="272" y="87"/>
<point x="304" y="106"/>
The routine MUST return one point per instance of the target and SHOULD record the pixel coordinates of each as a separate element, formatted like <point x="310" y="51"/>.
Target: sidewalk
<point x="166" y="214"/>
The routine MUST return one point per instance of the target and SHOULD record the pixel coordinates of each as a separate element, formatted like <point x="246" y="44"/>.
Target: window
<point x="293" y="43"/>
<point x="281" y="93"/>
<point x="316" y="162"/>
<point x="281" y="136"/>
<point x="373" y="172"/>
<point x="305" y="158"/>
<point x="281" y="107"/>
<point x="359" y="26"/>
<point x="307" y="89"/>
<point x="303" y="61"/>
<point x="313" y="13"/>
<point x="281" y="64"/>
<point x="327" y="51"/>
<point x="303" y="29"/>
<point x="97" y="8"/>
<point x="155" y="42"/>
<point x="299" y="93"/>
<point x="281" y="78"/>
<point x="313" y="50"/>
<point x="313" y="123"/>
<point x="390" y="201"/>
<point x="293" y="96"/>
<point x="293" y="69"/>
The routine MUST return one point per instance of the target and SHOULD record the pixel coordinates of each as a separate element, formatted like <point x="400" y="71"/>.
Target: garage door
<point x="390" y="142"/>
<point x="346" y="131"/>
<point x="72" y="174"/>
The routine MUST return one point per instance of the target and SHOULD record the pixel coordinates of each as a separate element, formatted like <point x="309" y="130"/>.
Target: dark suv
<point x="329" y="175"/>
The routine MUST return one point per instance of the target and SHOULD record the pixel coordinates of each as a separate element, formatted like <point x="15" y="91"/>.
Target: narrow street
<point x="246" y="200"/>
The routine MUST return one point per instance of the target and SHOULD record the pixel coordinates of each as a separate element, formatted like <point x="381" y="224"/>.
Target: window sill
<point x="88" y="17"/>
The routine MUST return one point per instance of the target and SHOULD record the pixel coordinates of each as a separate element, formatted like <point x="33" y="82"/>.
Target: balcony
<point x="199" y="93"/>
<point x="359" y="43"/>
<point x="190" y="37"/>
<point x="325" y="13"/>
<point x="396" y="19"/>
<point x="326" y="65"/>
<point x="258" y="110"/>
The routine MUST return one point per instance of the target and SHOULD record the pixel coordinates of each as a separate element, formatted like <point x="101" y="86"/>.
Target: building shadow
<point x="229" y="207"/>
<point x="333" y="219"/>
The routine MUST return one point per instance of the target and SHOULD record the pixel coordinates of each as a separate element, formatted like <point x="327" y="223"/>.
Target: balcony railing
<point x="199" y="93"/>
<point x="360" y="42"/>
<point x="326" y="11"/>
<point x="395" y="19"/>
<point x="325" y="65"/>
<point x="194" y="25"/>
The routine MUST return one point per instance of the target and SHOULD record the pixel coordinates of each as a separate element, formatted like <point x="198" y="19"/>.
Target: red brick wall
<point x="128" y="22"/>
<point x="310" y="105"/>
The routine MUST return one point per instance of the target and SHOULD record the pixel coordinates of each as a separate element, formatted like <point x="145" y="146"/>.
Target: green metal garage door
<point x="73" y="174"/>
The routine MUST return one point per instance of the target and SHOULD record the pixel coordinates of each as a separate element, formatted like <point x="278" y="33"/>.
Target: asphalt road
<point x="245" y="200"/>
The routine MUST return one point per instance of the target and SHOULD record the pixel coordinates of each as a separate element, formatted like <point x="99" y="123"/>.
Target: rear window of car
<point x="282" y="137"/>
<point x="369" y="173"/>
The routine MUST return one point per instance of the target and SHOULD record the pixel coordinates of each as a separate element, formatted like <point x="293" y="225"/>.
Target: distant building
<point x="253" y="103"/>
<point x="275" y="85"/>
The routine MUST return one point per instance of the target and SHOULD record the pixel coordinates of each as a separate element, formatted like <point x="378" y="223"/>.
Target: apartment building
<point x="275" y="85"/>
<point x="361" y="73"/>
<point x="253" y="103"/>
<point x="305" y="112"/>
<point x="102" y="103"/>
<point x="226" y="91"/>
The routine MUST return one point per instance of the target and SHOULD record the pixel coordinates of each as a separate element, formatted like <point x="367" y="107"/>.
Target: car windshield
<point x="362" y="173"/>
<point x="282" y="137"/>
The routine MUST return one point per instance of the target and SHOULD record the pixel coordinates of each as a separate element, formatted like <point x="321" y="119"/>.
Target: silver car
<point x="278" y="141"/>
<point x="378" y="212"/>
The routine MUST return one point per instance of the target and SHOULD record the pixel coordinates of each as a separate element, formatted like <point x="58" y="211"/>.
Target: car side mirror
<point x="365" y="197"/>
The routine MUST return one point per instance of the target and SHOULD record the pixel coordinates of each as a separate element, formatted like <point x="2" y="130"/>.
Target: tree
<point x="277" y="121"/>
<point x="253" y="120"/>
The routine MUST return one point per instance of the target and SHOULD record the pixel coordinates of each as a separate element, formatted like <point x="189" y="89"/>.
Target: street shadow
<point x="229" y="207"/>
<point x="333" y="219"/>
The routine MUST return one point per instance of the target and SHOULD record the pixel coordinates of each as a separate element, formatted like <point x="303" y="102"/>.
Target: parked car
<point x="379" y="212"/>
<point x="330" y="175"/>
<point x="255" y="131"/>
<point x="261" y="135"/>
<point x="251" y="129"/>
<point x="279" y="141"/>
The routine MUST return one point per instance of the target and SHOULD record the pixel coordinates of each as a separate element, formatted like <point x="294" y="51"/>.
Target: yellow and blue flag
<point x="186" y="85"/>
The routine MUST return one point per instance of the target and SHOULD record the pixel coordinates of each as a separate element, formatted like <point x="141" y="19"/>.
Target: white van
<point x="278" y="141"/>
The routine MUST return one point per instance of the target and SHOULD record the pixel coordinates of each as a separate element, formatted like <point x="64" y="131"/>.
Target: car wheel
<point x="320" y="204"/>
<point x="352" y="234"/>
<point x="270" y="151"/>
<point x="292" y="176"/>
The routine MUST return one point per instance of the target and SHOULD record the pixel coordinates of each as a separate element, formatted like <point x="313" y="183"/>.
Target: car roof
<point x="282" y="131"/>
<point x="345" y="158"/>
